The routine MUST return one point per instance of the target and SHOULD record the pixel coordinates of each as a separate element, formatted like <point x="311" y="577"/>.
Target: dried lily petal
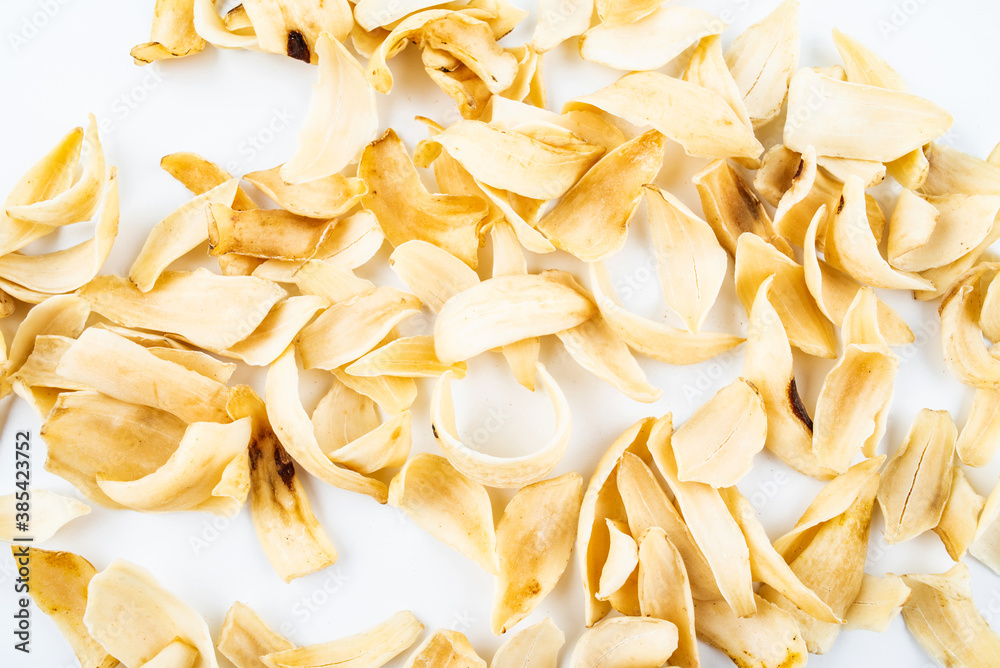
<point x="332" y="283"/>
<point x="197" y="476"/>
<point x="556" y="24"/>
<point x="537" y="646"/>
<point x="879" y="601"/>
<point x="245" y="637"/>
<point x="49" y="513"/>
<point x="62" y="315"/>
<point x="856" y="393"/>
<point x="432" y="273"/>
<point x="471" y="41"/>
<point x="324" y="198"/>
<point x="712" y="526"/>
<point x="534" y="541"/>
<point x="212" y="312"/>
<point x="409" y="357"/>
<point x="264" y="233"/>
<point x="698" y="119"/>
<point x="373" y="647"/>
<point x="392" y="393"/>
<point x="406" y="211"/>
<point x="960" y="224"/>
<point x="849" y="120"/>
<point x="200" y="175"/>
<point x="917" y="479"/>
<point x="985" y="546"/>
<point x="654" y="339"/>
<point x="769" y="639"/>
<point x="134" y="617"/>
<point x="944" y="278"/>
<point x="342" y="115"/>
<point x="490" y="470"/>
<point x="626" y="642"/>
<point x="979" y="439"/>
<point x="690" y="262"/>
<point x="623" y="557"/>
<point x="180" y="232"/>
<point x="297" y="29"/>
<point x="342" y="416"/>
<point x="213" y="29"/>
<point x="989" y="312"/>
<point x="373" y="14"/>
<point x="107" y="362"/>
<point x="665" y="593"/>
<point x="952" y="171"/>
<point x="960" y="518"/>
<point x="508" y="259"/>
<point x="451" y="507"/>
<point x="294" y="429"/>
<point x="624" y="12"/>
<point x="173" y="34"/>
<point x="717" y="444"/>
<point x="650" y="42"/>
<point x="708" y="69"/>
<point x="277" y="330"/>
<point x="965" y="351"/>
<point x="385" y="446"/>
<point x="942" y="616"/>
<point x="762" y="60"/>
<point x="445" y="649"/>
<point x="292" y="539"/>
<point x="503" y="310"/>
<point x="59" y="589"/>
<point x="591" y="220"/>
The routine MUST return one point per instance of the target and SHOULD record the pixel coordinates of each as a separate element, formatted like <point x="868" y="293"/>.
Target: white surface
<point x="243" y="110"/>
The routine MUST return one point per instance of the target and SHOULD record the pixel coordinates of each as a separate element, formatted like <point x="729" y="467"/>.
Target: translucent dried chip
<point x="49" y="512"/>
<point x="449" y="506"/>
<point x="332" y="283"/>
<point x="762" y="60"/>
<point x="878" y="603"/>
<point x="277" y="330"/>
<point x="245" y="637"/>
<point x="534" y="540"/>
<point x="623" y="557"/>
<point x="707" y="68"/>
<point x="537" y="645"/>
<point x="213" y="29"/>
<point x="392" y="393"/>
<point x="173" y="34"/>
<point x="265" y="233"/>
<point x="134" y="617"/>
<point x="698" y="119"/>
<point x="769" y="639"/>
<point x="472" y="42"/>
<point x="960" y="518"/>
<point x="917" y="479"/>
<point x="952" y="171"/>
<point x="665" y="593"/>
<point x="985" y="546"/>
<point x="296" y="28"/>
<point x="432" y="273"/>
<point x="200" y="175"/>
<point x="445" y="649"/>
<point x="324" y="198"/>
<point x="411" y="356"/>
<point x="965" y="351"/>
<point x="555" y="24"/>
<point x="626" y="642"/>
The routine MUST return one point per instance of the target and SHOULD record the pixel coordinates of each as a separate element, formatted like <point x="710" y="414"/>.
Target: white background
<point x="60" y="59"/>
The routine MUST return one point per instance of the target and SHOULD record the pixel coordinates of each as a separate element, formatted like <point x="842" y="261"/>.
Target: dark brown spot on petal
<point x="798" y="172"/>
<point x="796" y="403"/>
<point x="840" y="204"/>
<point x="435" y="430"/>
<point x="297" y="47"/>
<point x="285" y="467"/>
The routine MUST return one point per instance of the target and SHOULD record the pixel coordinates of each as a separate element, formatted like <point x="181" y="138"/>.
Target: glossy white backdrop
<point x="60" y="59"/>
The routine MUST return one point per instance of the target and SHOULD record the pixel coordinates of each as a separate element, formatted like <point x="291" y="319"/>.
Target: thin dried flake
<point x="856" y="393"/>
<point x="491" y="470"/>
<point x="59" y="589"/>
<point x="654" y="339"/>
<point x="349" y="329"/>
<point x="392" y="393"/>
<point x="626" y="642"/>
<point x="849" y="120"/>
<point x="769" y="639"/>
<point x="471" y="41"/>
<point x="213" y="29"/>
<point x="979" y="439"/>
<point x="463" y="86"/>
<point x="294" y="429"/>
<point x="624" y="12"/>
<point x="134" y="617"/>
<point x="960" y="518"/>
<point x="985" y="546"/>
<point x="878" y="603"/>
<point x="107" y="362"/>
<point x="944" y="278"/>
<point x="342" y="116"/>
<point x="917" y="479"/>
<point x="591" y="220"/>
<point x="324" y="198"/>
<point x="665" y="593"/>
<point x="77" y="202"/>
<point x="600" y="503"/>
<point x="503" y="310"/>
<point x="411" y="357"/>
<point x="769" y="567"/>
<point x="951" y="171"/>
<point x="768" y="364"/>
<point x="508" y="258"/>
<point x="830" y="560"/>
<point x="39" y="370"/>
<point x="206" y="472"/>
<point x="177" y="234"/>
<point x="707" y="68"/>
<point x="717" y="444"/>
<point x="528" y="74"/>
<point x="732" y="209"/>
<point x="373" y="647"/>
<point x="697" y="118"/>
<point x="959" y="224"/>
<point x="200" y="362"/>
<point x="293" y="540"/>
<point x="445" y="649"/>
<point x="596" y="347"/>
<point x="712" y="526"/>
<point x="332" y="283"/>
<point x="451" y="507"/>
<point x="264" y="233"/>
<point x="200" y="175"/>
<point x="763" y="58"/>
<point x="534" y="540"/>
<point x="537" y="645"/>
<point x="49" y="513"/>
<point x="807" y="327"/>
<point x="965" y="351"/>
<point x="512" y="161"/>
<point x="989" y="312"/>
<point x="622" y="560"/>
<point x="592" y="126"/>
<point x="556" y="24"/>
<point x="210" y="311"/>
<point x="433" y="274"/>
<point x="296" y="29"/>
<point x="173" y="34"/>
<point x="406" y="211"/>
<point x="342" y="416"/>
<point x="650" y="42"/>
<point x="50" y="176"/>
<point x="387" y="446"/>
<point x="944" y="619"/>
<point x="245" y="637"/>
<point x="529" y="237"/>
<point x="63" y="315"/>
<point x="862" y="65"/>
<point x="910" y="228"/>
<point x="277" y="330"/>
<point x="126" y="440"/>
